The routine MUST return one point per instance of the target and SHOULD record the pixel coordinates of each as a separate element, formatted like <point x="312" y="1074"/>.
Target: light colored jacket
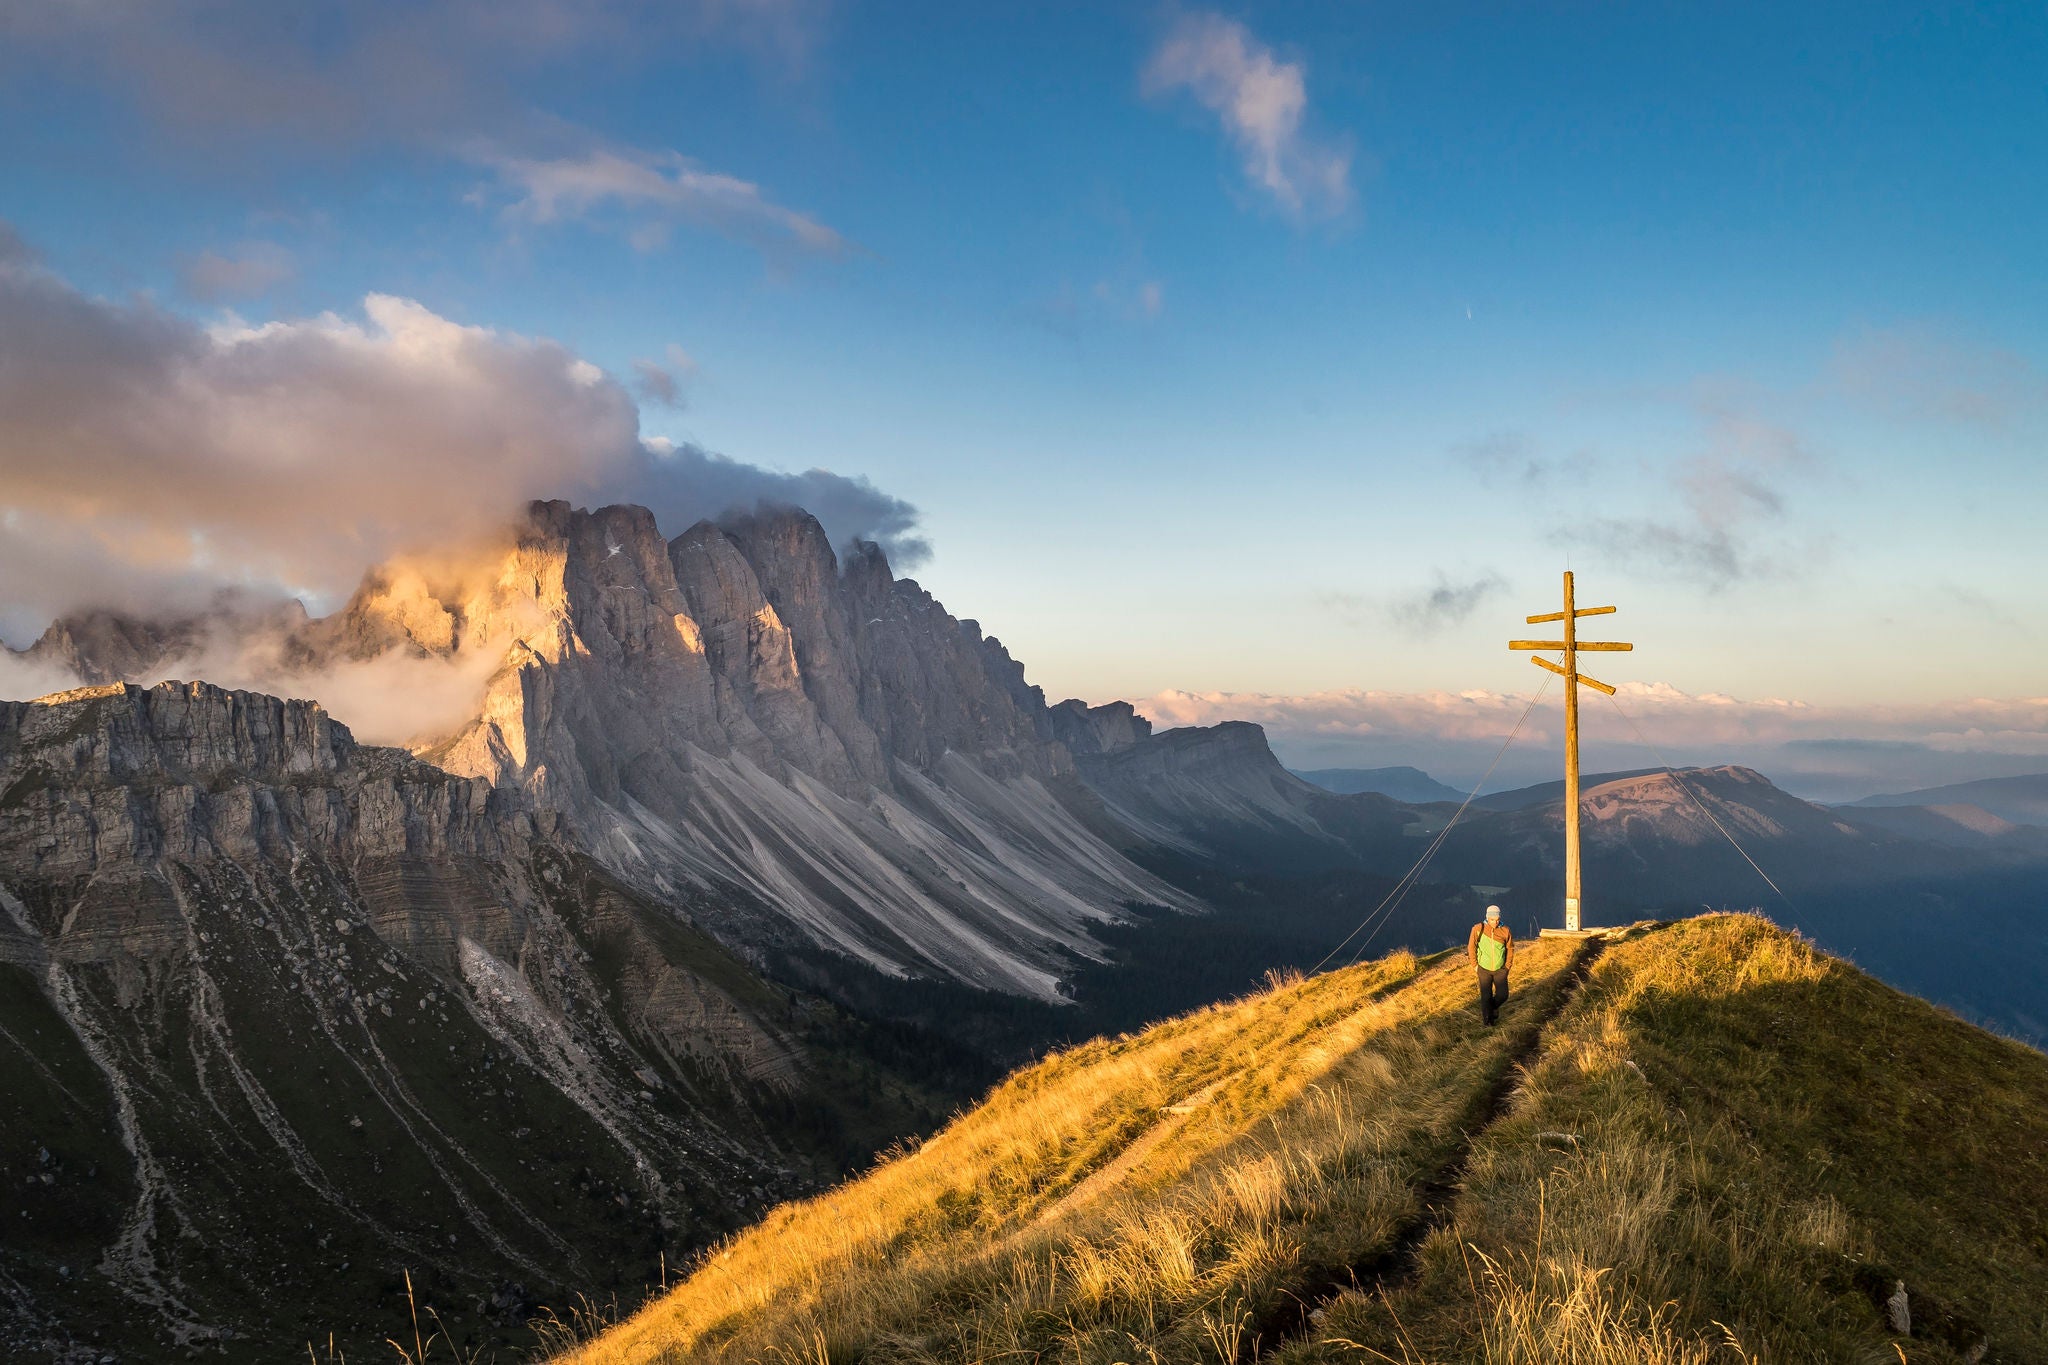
<point x="1500" y="933"/>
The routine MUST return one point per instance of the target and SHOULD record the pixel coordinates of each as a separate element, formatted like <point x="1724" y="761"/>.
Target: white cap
<point x="1493" y="909"/>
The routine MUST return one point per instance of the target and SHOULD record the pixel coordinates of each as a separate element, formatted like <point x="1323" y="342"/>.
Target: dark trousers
<point x="1493" y="992"/>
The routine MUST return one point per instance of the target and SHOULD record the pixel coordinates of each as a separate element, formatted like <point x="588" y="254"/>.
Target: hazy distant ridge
<point x="1401" y="783"/>
<point x="2021" y="800"/>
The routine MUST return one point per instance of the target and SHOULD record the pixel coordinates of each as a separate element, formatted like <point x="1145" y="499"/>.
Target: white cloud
<point x="652" y="190"/>
<point x="1262" y="102"/>
<point x="146" y="461"/>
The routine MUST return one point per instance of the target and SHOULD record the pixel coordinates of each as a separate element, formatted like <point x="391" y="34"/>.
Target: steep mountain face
<point x="815" y="756"/>
<point x="279" y="1012"/>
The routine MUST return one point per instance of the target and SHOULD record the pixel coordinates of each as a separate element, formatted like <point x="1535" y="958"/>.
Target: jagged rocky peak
<point x="109" y="646"/>
<point x="804" y="750"/>
<point x="1104" y="729"/>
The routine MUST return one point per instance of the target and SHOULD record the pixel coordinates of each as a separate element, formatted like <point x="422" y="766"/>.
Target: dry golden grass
<point x="1727" y="1148"/>
<point x="1318" y="1104"/>
<point x="1728" y="1141"/>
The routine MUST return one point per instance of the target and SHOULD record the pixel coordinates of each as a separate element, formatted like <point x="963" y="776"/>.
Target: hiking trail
<point x="1398" y="1264"/>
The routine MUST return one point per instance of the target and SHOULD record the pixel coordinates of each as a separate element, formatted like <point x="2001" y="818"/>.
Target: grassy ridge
<point x="1732" y="1147"/>
<point x="1162" y="1196"/>
<point x="1724" y="1146"/>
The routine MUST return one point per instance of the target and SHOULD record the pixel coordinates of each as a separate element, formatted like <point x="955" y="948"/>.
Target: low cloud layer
<point x="147" y="462"/>
<point x="1824" y="752"/>
<point x="394" y="698"/>
<point x="1262" y="103"/>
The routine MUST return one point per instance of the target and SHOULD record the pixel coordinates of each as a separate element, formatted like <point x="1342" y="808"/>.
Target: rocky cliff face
<point x="1090" y="730"/>
<point x="279" y="1012"/>
<point x="815" y="754"/>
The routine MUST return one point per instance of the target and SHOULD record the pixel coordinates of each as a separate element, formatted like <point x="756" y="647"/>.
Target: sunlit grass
<point x="1727" y="1141"/>
<point x="1157" y="1196"/>
<point x="1726" y="1148"/>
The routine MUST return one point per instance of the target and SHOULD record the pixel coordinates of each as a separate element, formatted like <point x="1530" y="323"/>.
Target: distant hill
<point x="1521" y="798"/>
<point x="1956" y="824"/>
<point x="1692" y="1141"/>
<point x="2020" y="800"/>
<point x="1412" y="785"/>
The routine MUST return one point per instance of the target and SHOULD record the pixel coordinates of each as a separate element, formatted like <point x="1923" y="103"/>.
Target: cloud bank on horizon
<point x="150" y="463"/>
<point x="1825" y="752"/>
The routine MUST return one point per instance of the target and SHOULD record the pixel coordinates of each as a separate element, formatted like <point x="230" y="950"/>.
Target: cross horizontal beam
<point x="1599" y="646"/>
<point x="1593" y="683"/>
<point x="1559" y="616"/>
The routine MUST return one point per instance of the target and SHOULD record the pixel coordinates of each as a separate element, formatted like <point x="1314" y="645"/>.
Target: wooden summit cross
<point x="1571" y="644"/>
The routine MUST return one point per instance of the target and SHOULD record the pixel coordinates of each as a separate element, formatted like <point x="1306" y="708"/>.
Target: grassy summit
<point x="1721" y="1145"/>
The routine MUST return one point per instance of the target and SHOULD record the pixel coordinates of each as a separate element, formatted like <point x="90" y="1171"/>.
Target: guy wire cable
<point x="1430" y="852"/>
<point x="1645" y="740"/>
<point x="1414" y="878"/>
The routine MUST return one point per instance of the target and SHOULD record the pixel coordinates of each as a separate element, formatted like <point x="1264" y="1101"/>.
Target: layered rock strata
<point x="256" y="979"/>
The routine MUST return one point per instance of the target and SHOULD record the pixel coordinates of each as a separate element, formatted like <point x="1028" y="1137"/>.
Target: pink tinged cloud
<point x="1667" y="715"/>
<point x="1262" y="103"/>
<point x="146" y="462"/>
<point x="184" y="474"/>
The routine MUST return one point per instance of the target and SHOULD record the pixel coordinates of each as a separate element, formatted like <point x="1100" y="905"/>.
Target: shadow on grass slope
<point x="1734" y="1147"/>
<point x="1722" y="1145"/>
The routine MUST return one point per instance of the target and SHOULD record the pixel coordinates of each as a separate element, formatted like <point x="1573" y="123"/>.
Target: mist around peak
<point x="152" y="463"/>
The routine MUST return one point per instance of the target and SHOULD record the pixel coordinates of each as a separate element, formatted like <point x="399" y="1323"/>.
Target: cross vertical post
<point x="1568" y="669"/>
<point x="1572" y="884"/>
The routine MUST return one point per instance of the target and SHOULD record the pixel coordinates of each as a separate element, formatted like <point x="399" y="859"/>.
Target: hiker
<point x="1491" y="949"/>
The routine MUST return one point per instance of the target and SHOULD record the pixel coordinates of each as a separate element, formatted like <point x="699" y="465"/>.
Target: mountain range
<point x="740" y="859"/>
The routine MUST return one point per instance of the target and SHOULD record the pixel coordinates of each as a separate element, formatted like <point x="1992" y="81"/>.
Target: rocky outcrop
<point x="1091" y="730"/>
<point x="255" y="977"/>
<point x="1179" y="787"/>
<point x="104" y="781"/>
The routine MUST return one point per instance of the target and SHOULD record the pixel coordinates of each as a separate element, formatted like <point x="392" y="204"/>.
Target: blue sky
<point x="1739" y="308"/>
